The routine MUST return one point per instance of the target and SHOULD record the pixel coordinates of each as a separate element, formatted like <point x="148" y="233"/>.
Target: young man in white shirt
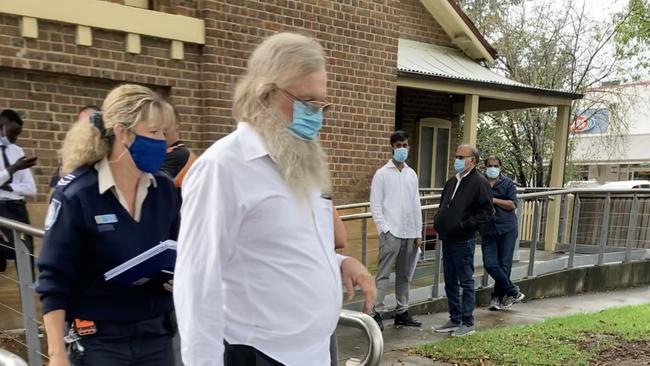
<point x="257" y="281"/>
<point x="395" y="206"/>
<point x="16" y="182"/>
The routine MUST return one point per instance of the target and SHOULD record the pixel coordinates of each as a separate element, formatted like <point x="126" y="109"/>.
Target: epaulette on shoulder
<point x="74" y="176"/>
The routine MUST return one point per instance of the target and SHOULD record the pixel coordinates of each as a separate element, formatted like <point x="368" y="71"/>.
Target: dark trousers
<point x="458" y="262"/>
<point x="143" y="343"/>
<point x="242" y="355"/>
<point x="497" y="260"/>
<point x="14" y="210"/>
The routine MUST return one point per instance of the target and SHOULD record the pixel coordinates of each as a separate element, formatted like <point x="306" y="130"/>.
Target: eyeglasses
<point x="462" y="157"/>
<point x="311" y="106"/>
<point x="492" y="166"/>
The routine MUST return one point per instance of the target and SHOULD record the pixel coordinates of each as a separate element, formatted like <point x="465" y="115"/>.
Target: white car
<point x="626" y="184"/>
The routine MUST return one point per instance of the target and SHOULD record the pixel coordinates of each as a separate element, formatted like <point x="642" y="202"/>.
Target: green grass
<point x="556" y="341"/>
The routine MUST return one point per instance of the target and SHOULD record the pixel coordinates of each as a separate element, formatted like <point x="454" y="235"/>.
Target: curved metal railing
<point x="629" y="225"/>
<point x="9" y="359"/>
<point x="371" y="330"/>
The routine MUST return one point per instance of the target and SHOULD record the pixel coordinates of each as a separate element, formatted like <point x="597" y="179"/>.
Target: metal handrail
<point x="539" y="200"/>
<point x="26" y="281"/>
<point x="9" y="359"/>
<point x="20" y="226"/>
<point x="539" y="192"/>
<point x="367" y="204"/>
<point x="348" y="318"/>
<point x="370" y="328"/>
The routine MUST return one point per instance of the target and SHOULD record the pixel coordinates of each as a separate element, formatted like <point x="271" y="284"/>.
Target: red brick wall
<point x="361" y="43"/>
<point x="48" y="103"/>
<point x="360" y="40"/>
<point x="48" y="79"/>
<point x="417" y="24"/>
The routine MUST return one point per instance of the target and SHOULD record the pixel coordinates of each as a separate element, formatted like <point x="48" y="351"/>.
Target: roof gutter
<point x="496" y="86"/>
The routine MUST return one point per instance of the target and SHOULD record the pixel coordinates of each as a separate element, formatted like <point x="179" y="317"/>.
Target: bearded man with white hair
<point x="257" y="281"/>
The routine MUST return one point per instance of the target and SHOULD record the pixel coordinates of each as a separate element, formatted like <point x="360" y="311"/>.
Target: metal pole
<point x="631" y="229"/>
<point x="364" y="239"/>
<point x="436" y="268"/>
<point x="604" y="231"/>
<point x="563" y="209"/>
<point x="574" y="230"/>
<point x="520" y="220"/>
<point x="24" y="265"/>
<point x="423" y="232"/>
<point x="537" y="221"/>
<point x="485" y="278"/>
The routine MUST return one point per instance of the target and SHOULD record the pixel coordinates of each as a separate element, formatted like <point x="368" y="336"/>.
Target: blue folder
<point x="154" y="263"/>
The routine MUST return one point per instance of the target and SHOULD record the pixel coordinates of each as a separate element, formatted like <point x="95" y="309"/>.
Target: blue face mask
<point x="147" y="153"/>
<point x="459" y="165"/>
<point x="400" y="154"/>
<point x="4" y="141"/>
<point x="492" y="172"/>
<point x="305" y="125"/>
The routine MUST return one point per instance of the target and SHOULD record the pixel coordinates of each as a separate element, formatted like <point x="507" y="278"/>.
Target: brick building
<point x="410" y="64"/>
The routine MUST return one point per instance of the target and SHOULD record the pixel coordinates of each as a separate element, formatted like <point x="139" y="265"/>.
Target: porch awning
<point x="423" y="60"/>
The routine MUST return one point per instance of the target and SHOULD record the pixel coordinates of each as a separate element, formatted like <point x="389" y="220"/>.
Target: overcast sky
<point x="599" y="10"/>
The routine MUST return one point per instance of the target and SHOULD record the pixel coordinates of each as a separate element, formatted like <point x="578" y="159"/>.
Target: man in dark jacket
<point x="465" y="205"/>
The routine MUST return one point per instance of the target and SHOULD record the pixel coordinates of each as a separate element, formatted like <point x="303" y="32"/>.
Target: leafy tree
<point x="633" y="35"/>
<point x="551" y="44"/>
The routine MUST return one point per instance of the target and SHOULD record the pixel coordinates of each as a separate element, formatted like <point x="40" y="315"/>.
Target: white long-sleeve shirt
<point x="254" y="266"/>
<point x="395" y="201"/>
<point x="22" y="183"/>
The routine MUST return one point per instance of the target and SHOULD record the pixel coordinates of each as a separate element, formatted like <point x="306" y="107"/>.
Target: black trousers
<point x="242" y="355"/>
<point x="14" y="210"/>
<point x="143" y="343"/>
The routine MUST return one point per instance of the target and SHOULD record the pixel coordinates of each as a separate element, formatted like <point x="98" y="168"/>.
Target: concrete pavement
<point x="397" y="340"/>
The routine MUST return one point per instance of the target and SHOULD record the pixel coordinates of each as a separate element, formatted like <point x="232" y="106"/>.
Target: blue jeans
<point x="497" y="260"/>
<point x="458" y="262"/>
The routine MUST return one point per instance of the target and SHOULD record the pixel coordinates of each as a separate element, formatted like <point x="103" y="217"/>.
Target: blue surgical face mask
<point x="305" y="124"/>
<point x="459" y="165"/>
<point x="4" y="140"/>
<point x="147" y="153"/>
<point x="400" y="154"/>
<point x="492" y="172"/>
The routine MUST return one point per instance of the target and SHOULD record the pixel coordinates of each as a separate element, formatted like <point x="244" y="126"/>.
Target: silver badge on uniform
<point x="52" y="213"/>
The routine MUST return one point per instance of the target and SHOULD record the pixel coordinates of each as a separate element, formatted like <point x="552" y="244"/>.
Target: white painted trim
<point x="106" y="15"/>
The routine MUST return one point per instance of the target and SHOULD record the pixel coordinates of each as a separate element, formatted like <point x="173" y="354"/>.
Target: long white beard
<point x="302" y="164"/>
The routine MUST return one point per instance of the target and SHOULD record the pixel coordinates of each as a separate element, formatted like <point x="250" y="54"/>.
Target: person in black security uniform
<point x="16" y="183"/>
<point x="465" y="206"/>
<point x="499" y="237"/>
<point x="110" y="206"/>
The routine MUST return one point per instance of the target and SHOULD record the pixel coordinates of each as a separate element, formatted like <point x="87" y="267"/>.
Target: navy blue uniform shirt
<point x="504" y="221"/>
<point x="87" y="234"/>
